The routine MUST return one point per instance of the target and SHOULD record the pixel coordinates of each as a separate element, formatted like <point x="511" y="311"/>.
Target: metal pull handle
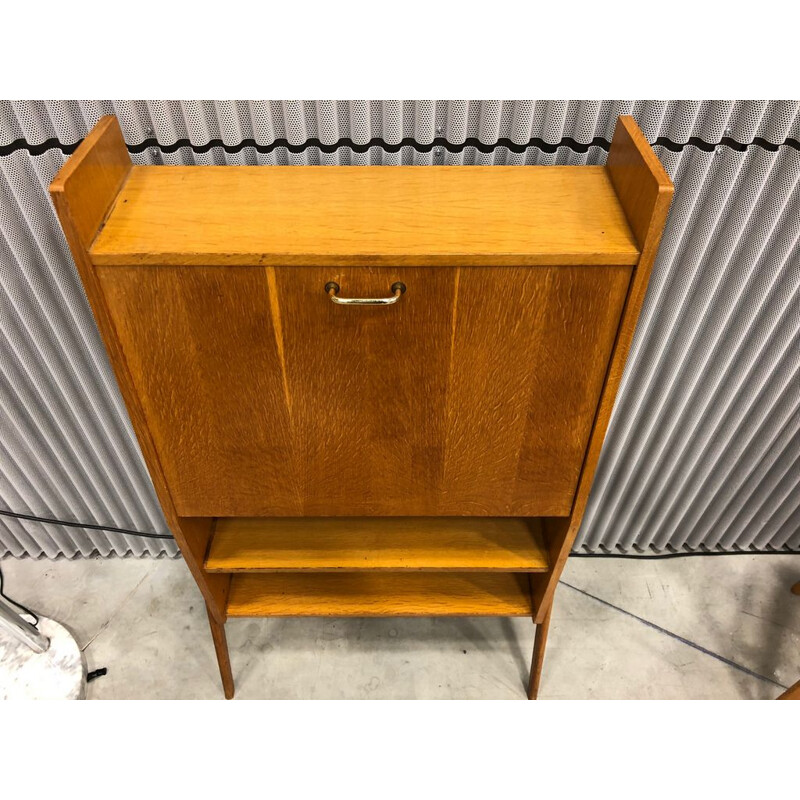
<point x="397" y="288"/>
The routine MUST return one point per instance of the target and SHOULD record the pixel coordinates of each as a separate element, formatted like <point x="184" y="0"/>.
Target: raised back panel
<point x="90" y="181"/>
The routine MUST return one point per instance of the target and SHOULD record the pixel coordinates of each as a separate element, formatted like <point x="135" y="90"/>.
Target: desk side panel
<point x="645" y="193"/>
<point x="83" y="193"/>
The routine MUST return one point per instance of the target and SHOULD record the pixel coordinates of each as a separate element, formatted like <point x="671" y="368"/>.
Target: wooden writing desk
<point x="427" y="452"/>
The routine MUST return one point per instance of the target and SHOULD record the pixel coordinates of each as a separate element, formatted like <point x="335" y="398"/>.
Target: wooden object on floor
<point x="479" y="389"/>
<point x="261" y="544"/>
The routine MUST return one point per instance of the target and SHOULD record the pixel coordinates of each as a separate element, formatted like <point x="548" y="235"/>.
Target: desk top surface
<point x="415" y="216"/>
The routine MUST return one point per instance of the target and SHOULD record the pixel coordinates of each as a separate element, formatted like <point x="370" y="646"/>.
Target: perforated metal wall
<point x="703" y="450"/>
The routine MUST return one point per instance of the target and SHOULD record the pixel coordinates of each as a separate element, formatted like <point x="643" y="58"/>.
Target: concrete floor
<point x="145" y="621"/>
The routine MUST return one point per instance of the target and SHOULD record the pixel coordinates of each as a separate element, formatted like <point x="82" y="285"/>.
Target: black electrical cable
<point x="112" y="529"/>
<point x="21" y="607"/>
<point x="654" y="556"/>
<point x="88" y="526"/>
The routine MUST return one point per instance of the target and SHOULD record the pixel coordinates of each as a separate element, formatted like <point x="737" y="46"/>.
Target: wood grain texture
<point x="344" y="544"/>
<point x="474" y="395"/>
<point x="378" y="594"/>
<point x="335" y="216"/>
<point x="645" y="191"/>
<point x="203" y="353"/>
<point x="528" y="357"/>
<point x="368" y="386"/>
<point x="82" y="193"/>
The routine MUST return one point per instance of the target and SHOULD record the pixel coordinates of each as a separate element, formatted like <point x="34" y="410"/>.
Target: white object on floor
<point x="57" y="674"/>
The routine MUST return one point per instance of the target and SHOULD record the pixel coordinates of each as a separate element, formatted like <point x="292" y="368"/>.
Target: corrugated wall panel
<point x="703" y="450"/>
<point x="67" y="449"/>
<point x="714" y="372"/>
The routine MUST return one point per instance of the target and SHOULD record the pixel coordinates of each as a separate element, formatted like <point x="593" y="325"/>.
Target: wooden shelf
<point x="378" y="594"/>
<point x="284" y="216"/>
<point x="471" y="544"/>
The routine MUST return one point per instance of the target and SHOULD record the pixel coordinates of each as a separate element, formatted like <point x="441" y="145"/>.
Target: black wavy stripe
<point x="438" y="143"/>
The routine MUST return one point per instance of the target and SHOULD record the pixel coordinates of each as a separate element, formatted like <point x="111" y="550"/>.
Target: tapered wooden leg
<point x="539" y="644"/>
<point x="223" y="657"/>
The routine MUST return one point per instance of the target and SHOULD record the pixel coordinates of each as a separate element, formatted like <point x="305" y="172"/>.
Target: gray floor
<point x="145" y="621"/>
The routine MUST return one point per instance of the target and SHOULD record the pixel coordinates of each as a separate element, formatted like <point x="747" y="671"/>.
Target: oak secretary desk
<point x="366" y="391"/>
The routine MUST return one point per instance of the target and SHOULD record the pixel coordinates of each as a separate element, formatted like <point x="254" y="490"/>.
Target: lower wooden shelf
<point x="473" y="544"/>
<point x="377" y="594"/>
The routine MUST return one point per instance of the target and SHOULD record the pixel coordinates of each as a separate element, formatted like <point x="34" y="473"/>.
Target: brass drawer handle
<point x="332" y="288"/>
